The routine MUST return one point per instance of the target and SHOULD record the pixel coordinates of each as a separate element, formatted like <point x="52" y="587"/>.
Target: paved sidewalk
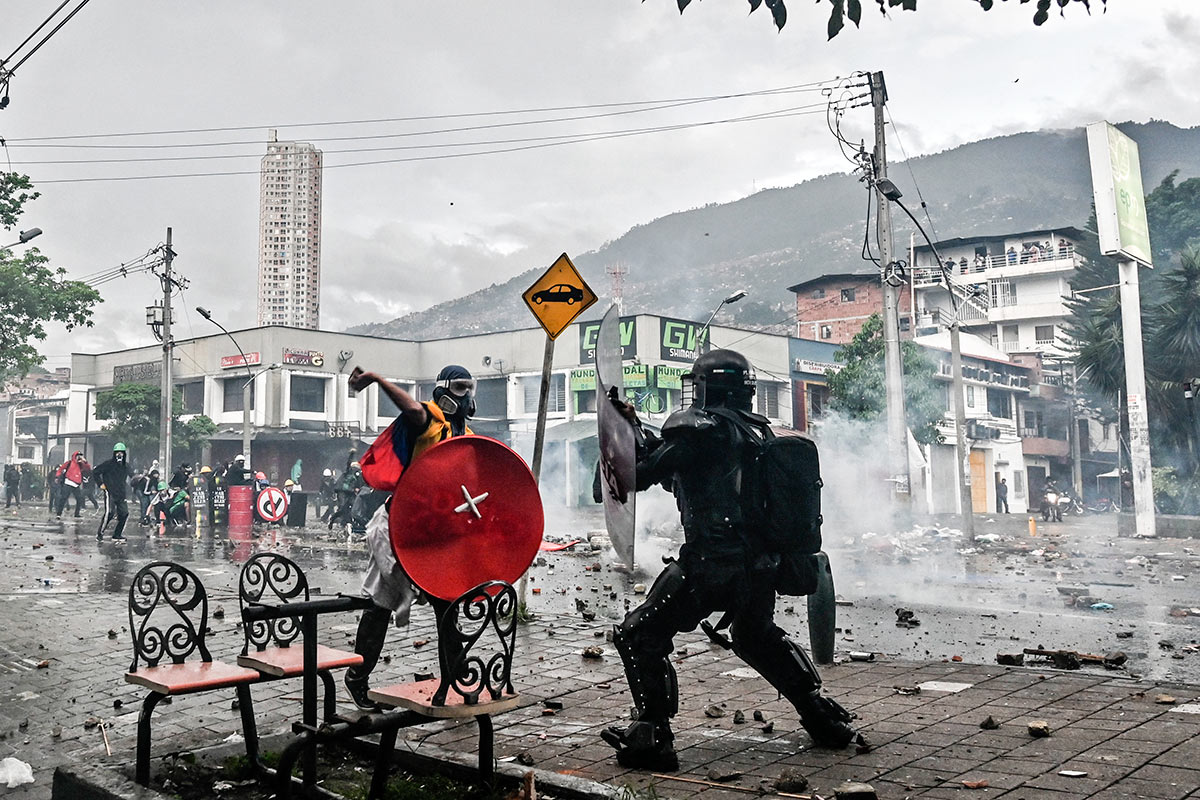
<point x="925" y="745"/>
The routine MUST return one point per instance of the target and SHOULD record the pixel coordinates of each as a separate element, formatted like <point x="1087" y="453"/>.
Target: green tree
<point x="842" y="10"/>
<point x="31" y="293"/>
<point x="133" y="413"/>
<point x="859" y="391"/>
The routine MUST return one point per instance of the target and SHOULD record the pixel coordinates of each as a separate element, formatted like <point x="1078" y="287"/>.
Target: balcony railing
<point x="931" y="275"/>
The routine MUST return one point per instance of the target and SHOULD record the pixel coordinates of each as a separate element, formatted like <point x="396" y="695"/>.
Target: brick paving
<point x="925" y="745"/>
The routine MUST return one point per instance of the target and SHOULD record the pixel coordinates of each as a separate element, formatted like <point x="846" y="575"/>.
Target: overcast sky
<point x="401" y="236"/>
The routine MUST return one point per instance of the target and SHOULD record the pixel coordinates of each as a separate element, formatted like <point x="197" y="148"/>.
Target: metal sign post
<point x="1125" y="233"/>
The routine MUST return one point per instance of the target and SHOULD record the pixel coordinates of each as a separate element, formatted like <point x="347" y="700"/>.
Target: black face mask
<point x="119" y="456"/>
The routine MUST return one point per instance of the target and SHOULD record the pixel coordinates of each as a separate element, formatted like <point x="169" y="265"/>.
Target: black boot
<point x="644" y="745"/>
<point x="826" y="721"/>
<point x="372" y="631"/>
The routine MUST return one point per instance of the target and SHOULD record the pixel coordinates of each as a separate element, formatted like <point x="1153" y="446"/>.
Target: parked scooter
<point x="1103" y="505"/>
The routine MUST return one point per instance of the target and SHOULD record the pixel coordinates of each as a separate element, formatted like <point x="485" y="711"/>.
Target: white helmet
<point x="239" y="457"/>
<point x="327" y="473"/>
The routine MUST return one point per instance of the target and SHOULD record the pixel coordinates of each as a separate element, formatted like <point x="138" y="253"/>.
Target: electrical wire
<point x="10" y="70"/>
<point x="772" y="115"/>
<point x="911" y="174"/>
<point x="656" y="105"/>
<point x="392" y="148"/>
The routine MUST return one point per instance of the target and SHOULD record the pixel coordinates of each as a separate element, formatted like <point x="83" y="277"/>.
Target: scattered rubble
<point x="790" y="780"/>
<point x="852" y="790"/>
<point x="906" y="618"/>
<point x="1039" y="729"/>
<point x="989" y="724"/>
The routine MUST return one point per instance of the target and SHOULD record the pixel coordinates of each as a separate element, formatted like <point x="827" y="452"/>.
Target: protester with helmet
<point x="182" y="476"/>
<point x="420" y="426"/>
<point x="112" y="476"/>
<point x="237" y="474"/>
<point x="325" y="495"/>
<point x="174" y="504"/>
<point x="701" y="457"/>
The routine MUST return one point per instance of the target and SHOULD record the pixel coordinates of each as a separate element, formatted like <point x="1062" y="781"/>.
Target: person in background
<point x="325" y="495"/>
<point x="260" y="481"/>
<point x="180" y="479"/>
<point x="297" y="473"/>
<point x="289" y="486"/>
<point x="236" y="473"/>
<point x="347" y="490"/>
<point x="73" y="474"/>
<point x="113" y="475"/>
<point x="1002" y="496"/>
<point x="173" y="502"/>
<point x="145" y="487"/>
<point x="12" y="485"/>
<point x="29" y="483"/>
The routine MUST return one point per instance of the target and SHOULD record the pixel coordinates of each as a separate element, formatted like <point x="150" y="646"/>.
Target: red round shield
<point x="467" y="511"/>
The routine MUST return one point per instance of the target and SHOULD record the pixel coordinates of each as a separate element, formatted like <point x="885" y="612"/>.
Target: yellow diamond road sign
<point x="559" y="296"/>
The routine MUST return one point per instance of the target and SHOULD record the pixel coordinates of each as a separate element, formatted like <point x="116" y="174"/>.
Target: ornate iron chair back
<point x="488" y="613"/>
<point x="168" y="615"/>
<point x="270" y="578"/>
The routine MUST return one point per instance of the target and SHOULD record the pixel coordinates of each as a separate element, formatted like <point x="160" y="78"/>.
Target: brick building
<point x="833" y="307"/>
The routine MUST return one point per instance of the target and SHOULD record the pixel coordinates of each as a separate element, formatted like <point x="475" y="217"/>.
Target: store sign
<point x="636" y="375"/>
<point x="814" y="367"/>
<point x="248" y="360"/>
<point x="669" y="377"/>
<point x="583" y="379"/>
<point x="145" y="372"/>
<point x="1117" y="191"/>
<point x="589" y="331"/>
<point x="681" y="340"/>
<point x="303" y="358"/>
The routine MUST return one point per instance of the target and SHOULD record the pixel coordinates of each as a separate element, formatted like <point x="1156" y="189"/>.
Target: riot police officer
<point x="701" y="458"/>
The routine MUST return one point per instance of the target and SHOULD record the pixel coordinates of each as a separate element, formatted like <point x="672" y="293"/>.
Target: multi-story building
<point x="289" y="235"/>
<point x="1011" y="288"/>
<point x="833" y="307"/>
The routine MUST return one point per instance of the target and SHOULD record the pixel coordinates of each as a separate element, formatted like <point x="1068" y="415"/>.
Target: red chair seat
<point x="287" y="662"/>
<point x="192" y="676"/>
<point x="418" y="697"/>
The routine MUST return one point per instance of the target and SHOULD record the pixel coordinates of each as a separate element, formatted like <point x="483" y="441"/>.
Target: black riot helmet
<point x="723" y="378"/>
<point x="455" y="392"/>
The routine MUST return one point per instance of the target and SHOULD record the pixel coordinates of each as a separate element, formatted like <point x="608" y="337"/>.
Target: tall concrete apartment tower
<point x="289" y="235"/>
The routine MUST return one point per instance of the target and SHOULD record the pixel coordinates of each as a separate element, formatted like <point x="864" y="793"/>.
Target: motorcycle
<point x="1052" y="506"/>
<point x="1102" y="506"/>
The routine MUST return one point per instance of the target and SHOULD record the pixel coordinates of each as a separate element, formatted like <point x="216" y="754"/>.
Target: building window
<point x="1019" y="482"/>
<point x="307" y="394"/>
<point x="387" y="408"/>
<point x="768" y="400"/>
<point x="999" y="404"/>
<point x="971" y="396"/>
<point x="847" y="295"/>
<point x="1043" y="334"/>
<point x="904" y="324"/>
<point x="818" y="294"/>
<point x="491" y="397"/>
<point x="556" y="403"/>
<point x="818" y="399"/>
<point x="193" y="397"/>
<point x="25" y="451"/>
<point x="231" y="389"/>
<point x="826" y="331"/>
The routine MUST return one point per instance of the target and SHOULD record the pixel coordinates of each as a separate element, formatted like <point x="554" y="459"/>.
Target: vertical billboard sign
<point x="1117" y="188"/>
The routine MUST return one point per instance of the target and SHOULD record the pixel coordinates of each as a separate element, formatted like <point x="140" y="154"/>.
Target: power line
<point x="581" y="139"/>
<point x="911" y="174"/>
<point x="393" y="148"/>
<point x="815" y="86"/>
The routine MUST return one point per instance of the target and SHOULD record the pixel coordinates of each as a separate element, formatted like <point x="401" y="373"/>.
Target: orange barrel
<point x="241" y="506"/>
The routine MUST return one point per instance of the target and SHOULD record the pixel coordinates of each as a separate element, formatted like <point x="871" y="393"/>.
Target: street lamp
<point x="25" y="237"/>
<point x="733" y="298"/>
<point x="250" y="376"/>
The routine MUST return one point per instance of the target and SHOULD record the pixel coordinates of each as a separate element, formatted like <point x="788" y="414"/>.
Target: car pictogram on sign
<point x="559" y="293"/>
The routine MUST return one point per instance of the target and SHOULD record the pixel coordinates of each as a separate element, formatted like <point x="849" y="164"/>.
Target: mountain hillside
<point x="776" y="238"/>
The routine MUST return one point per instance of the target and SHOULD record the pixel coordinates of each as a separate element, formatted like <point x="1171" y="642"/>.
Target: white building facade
<point x="289" y="237"/>
<point x="1012" y="287"/>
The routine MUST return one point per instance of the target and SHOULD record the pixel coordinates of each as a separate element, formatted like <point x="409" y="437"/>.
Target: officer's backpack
<point x="782" y="496"/>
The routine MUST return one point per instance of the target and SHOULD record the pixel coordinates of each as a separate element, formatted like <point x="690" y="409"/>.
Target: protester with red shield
<point x="419" y="426"/>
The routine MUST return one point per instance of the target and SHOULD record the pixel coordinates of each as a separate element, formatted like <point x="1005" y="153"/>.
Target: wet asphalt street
<point x="1005" y="592"/>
